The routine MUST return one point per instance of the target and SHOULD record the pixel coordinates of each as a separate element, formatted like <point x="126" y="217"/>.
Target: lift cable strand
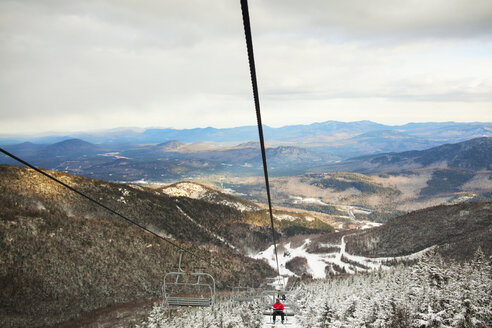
<point x="251" y="59"/>
<point x="107" y="208"/>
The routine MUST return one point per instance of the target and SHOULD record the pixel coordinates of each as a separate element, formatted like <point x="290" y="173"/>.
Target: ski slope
<point x="319" y="264"/>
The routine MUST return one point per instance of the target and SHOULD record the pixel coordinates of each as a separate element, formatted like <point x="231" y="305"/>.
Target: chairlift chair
<point x="186" y="288"/>
<point x="278" y="291"/>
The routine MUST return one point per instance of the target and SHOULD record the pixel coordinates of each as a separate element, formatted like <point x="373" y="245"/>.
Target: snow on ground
<point x="196" y="191"/>
<point x="114" y="154"/>
<point x="350" y="209"/>
<point x="40" y="206"/>
<point x="124" y="192"/>
<point x="186" y="189"/>
<point x="141" y="182"/>
<point x="290" y="322"/>
<point x="300" y="200"/>
<point x="232" y="192"/>
<point x="361" y="210"/>
<point x="286" y="217"/>
<point x="369" y="224"/>
<point x="318" y="264"/>
<point x="225" y="313"/>
<point x="315" y="261"/>
<point x="238" y="205"/>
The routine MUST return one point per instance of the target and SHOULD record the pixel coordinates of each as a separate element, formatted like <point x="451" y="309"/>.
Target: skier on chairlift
<point x="278" y="309"/>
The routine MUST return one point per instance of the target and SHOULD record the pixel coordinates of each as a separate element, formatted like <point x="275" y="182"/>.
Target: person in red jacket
<point x="278" y="309"/>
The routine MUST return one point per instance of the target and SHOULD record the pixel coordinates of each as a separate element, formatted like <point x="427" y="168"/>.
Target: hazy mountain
<point x="331" y="136"/>
<point x="447" y="132"/>
<point x="373" y="142"/>
<point x="322" y="132"/>
<point x="70" y="148"/>
<point x="25" y="149"/>
<point x="171" y="160"/>
<point x="169" y="145"/>
<point x="180" y="147"/>
<point x="475" y="154"/>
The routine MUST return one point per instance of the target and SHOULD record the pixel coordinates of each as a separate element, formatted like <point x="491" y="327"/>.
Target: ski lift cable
<point x="251" y="59"/>
<point x="108" y="209"/>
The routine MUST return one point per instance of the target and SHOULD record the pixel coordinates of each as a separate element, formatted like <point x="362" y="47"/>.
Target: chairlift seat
<point x="286" y="313"/>
<point x="185" y="301"/>
<point x="171" y="281"/>
<point x="286" y="305"/>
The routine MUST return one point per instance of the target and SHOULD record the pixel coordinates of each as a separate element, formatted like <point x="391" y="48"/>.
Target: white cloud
<point x="382" y="18"/>
<point x="95" y="64"/>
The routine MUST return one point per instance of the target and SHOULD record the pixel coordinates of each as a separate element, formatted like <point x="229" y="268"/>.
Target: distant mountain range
<point x="174" y="160"/>
<point x="343" y="139"/>
<point x="475" y="155"/>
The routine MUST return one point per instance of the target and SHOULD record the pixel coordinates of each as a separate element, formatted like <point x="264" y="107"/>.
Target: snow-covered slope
<point x="455" y="231"/>
<point x="198" y="191"/>
<point x="289" y="222"/>
<point x="319" y="265"/>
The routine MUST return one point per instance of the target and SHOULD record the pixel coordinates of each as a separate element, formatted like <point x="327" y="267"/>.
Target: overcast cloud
<point x="72" y="66"/>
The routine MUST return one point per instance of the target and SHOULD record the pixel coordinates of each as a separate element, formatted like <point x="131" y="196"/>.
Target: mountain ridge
<point x="316" y="136"/>
<point x="474" y="154"/>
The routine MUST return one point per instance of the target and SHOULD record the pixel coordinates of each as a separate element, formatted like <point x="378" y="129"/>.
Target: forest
<point x="430" y="293"/>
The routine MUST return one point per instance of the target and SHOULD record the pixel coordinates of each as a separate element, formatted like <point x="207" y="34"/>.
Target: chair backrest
<point x="188" y="292"/>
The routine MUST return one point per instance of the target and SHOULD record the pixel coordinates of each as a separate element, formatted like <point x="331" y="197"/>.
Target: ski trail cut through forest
<point x="332" y="262"/>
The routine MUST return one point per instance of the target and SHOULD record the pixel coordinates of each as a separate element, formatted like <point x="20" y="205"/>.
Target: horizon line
<point x="143" y="129"/>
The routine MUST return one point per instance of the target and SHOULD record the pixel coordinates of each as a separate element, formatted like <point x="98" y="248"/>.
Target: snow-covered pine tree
<point x="326" y="317"/>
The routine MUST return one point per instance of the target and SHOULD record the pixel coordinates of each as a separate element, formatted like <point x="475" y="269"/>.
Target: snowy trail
<point x="318" y="264"/>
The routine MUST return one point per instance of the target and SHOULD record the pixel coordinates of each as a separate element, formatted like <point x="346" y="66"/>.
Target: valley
<point x="368" y="197"/>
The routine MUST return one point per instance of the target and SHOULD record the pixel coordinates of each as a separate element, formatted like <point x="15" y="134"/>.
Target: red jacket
<point x="278" y="306"/>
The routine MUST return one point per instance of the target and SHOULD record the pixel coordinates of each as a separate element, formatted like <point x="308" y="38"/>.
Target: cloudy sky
<point x="87" y="65"/>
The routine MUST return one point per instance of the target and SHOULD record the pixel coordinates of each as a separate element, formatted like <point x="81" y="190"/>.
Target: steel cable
<point x="252" y="69"/>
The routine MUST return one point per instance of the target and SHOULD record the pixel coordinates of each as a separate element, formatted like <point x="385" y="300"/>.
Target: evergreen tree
<point x="326" y="317"/>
